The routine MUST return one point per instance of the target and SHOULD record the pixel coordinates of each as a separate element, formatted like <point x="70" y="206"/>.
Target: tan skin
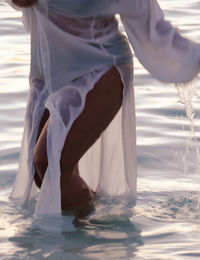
<point x="102" y="104"/>
<point x="24" y="3"/>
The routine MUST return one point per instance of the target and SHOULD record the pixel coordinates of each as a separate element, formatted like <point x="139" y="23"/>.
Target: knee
<point x="40" y="163"/>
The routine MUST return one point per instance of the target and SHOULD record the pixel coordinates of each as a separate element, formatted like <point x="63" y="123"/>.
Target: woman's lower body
<point x="101" y="105"/>
<point x="63" y="126"/>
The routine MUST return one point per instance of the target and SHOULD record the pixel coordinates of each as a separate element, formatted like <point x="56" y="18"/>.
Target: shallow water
<point x="165" y="223"/>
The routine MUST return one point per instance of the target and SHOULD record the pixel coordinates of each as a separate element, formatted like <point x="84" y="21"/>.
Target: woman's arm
<point x="159" y="46"/>
<point x="24" y="3"/>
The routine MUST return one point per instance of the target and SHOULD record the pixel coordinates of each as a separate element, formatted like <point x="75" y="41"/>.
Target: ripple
<point x="165" y="222"/>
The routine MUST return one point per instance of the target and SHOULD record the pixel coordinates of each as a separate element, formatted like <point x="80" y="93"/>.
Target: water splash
<point x="174" y="206"/>
<point x="187" y="93"/>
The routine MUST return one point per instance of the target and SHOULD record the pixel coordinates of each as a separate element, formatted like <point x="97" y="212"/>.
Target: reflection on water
<point x="159" y="225"/>
<point x="165" y="222"/>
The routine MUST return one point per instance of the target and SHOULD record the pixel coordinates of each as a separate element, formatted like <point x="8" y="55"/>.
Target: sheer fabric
<point x="73" y="43"/>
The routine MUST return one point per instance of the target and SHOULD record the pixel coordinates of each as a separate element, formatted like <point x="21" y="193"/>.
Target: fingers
<point x="24" y="3"/>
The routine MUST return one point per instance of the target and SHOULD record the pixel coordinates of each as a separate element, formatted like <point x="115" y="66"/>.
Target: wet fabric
<point x="74" y="43"/>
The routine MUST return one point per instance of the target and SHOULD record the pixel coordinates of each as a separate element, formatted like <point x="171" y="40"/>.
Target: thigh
<point x="43" y="121"/>
<point x="41" y="152"/>
<point x="101" y="105"/>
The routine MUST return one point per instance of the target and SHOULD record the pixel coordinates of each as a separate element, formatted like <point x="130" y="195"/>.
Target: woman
<point x="81" y="75"/>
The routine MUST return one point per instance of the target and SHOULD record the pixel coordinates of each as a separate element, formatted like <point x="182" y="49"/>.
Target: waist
<point x="87" y="28"/>
<point x="99" y="32"/>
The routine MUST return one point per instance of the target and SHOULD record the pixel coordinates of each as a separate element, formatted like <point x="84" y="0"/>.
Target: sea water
<point x="165" y="222"/>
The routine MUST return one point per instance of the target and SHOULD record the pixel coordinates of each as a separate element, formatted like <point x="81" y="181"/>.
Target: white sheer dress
<point x="73" y="43"/>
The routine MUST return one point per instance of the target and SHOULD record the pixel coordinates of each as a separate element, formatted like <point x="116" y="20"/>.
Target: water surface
<point x="165" y="223"/>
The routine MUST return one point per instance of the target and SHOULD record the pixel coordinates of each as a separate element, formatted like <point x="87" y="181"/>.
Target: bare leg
<point x="37" y="177"/>
<point x="102" y="104"/>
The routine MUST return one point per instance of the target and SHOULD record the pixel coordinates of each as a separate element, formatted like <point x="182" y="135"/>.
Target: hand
<point x="24" y="3"/>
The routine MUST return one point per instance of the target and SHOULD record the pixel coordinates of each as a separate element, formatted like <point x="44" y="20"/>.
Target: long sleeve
<point x="157" y="44"/>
